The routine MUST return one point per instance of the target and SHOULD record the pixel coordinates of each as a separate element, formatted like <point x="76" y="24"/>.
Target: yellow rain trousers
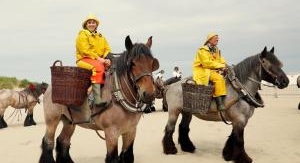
<point x="205" y="68"/>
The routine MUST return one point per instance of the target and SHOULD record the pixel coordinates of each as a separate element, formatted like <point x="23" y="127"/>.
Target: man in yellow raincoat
<point x="207" y="65"/>
<point x="92" y="50"/>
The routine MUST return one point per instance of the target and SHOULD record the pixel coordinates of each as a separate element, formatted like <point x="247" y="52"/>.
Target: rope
<point x="255" y="81"/>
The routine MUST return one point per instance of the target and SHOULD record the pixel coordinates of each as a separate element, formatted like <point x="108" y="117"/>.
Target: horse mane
<point x="245" y="67"/>
<point x="123" y="63"/>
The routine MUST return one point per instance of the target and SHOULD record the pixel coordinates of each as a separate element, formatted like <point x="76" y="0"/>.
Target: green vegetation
<point x="12" y="82"/>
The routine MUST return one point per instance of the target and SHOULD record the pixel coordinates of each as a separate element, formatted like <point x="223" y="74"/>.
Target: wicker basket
<point x="196" y="98"/>
<point x="69" y="84"/>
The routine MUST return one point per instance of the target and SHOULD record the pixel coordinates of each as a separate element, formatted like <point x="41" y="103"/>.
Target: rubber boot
<point x="220" y="103"/>
<point x="97" y="96"/>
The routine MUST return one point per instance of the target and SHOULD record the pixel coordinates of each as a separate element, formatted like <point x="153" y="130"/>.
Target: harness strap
<point x="119" y="96"/>
<point x="241" y="89"/>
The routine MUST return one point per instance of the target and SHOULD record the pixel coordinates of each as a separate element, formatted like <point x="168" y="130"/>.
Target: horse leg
<point x="48" y="141"/>
<point x="29" y="121"/>
<point x="234" y="147"/>
<point x="3" y="124"/>
<point x="164" y="104"/>
<point x="111" y="139"/>
<point x="127" y="155"/>
<point x="63" y="143"/>
<point x="183" y="138"/>
<point x="167" y="142"/>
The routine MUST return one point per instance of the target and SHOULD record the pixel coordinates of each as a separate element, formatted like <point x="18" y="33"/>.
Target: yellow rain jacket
<point x="91" y="45"/>
<point x="205" y="69"/>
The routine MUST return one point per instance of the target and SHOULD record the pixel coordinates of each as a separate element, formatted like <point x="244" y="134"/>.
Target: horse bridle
<point x="265" y="64"/>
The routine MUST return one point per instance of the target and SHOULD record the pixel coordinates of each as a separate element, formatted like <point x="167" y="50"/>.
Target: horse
<point x="131" y="82"/>
<point x="250" y="72"/>
<point x="26" y="98"/>
<point x="298" y="81"/>
<point x="298" y="84"/>
<point x="160" y="87"/>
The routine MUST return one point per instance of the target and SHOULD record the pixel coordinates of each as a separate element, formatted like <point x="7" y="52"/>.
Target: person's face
<point x="91" y="25"/>
<point x="214" y="40"/>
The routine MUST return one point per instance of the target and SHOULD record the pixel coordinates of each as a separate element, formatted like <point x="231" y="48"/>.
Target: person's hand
<point x="107" y="63"/>
<point x="102" y="60"/>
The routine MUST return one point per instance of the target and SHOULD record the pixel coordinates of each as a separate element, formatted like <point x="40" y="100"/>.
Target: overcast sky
<point x="35" y="33"/>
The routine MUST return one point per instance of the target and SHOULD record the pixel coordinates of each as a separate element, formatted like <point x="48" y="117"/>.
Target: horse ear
<point x="149" y="42"/>
<point x="31" y="87"/>
<point x="128" y="43"/>
<point x="272" y="50"/>
<point x="264" y="52"/>
<point x="155" y="64"/>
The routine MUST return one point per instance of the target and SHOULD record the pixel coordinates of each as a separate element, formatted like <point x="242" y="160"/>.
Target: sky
<point x="35" y="33"/>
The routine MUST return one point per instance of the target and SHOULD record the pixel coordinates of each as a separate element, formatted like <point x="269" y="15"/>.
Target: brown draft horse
<point x="26" y="98"/>
<point x="130" y="86"/>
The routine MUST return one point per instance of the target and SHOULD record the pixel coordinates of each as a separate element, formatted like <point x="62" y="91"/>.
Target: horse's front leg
<point x="48" y="140"/>
<point x="234" y="148"/>
<point x="167" y="142"/>
<point x="111" y="139"/>
<point x="29" y="121"/>
<point x="184" y="129"/>
<point x="63" y="143"/>
<point x="3" y="124"/>
<point x="127" y="155"/>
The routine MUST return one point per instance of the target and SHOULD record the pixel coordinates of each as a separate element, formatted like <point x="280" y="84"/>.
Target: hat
<point x="209" y="36"/>
<point x="90" y="17"/>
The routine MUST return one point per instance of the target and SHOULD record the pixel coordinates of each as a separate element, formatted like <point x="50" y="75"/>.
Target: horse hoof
<point x="2" y="124"/>
<point x="169" y="147"/>
<point x="171" y="151"/>
<point x="152" y="108"/>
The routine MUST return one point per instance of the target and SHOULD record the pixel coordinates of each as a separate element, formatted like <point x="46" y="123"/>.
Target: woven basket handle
<point x="189" y="79"/>
<point x="60" y="62"/>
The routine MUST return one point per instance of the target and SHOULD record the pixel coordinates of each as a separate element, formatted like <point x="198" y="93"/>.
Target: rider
<point x="92" y="51"/>
<point x="176" y="73"/>
<point x="207" y="65"/>
<point x="159" y="74"/>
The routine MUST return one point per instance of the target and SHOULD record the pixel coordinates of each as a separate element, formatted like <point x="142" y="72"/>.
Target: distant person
<point x="159" y="74"/>
<point x="92" y="50"/>
<point x="207" y="64"/>
<point x="177" y="73"/>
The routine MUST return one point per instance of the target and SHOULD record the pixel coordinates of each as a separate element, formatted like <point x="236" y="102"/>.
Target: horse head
<point x="39" y="88"/>
<point x="272" y="69"/>
<point x="138" y="64"/>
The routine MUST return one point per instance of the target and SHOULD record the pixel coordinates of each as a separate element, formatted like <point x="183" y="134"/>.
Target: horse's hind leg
<point x="183" y="138"/>
<point x="48" y="141"/>
<point x="127" y="155"/>
<point x="167" y="142"/>
<point x="63" y="143"/>
<point x="234" y="147"/>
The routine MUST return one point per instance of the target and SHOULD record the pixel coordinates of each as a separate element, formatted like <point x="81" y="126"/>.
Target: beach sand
<point x="271" y="136"/>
